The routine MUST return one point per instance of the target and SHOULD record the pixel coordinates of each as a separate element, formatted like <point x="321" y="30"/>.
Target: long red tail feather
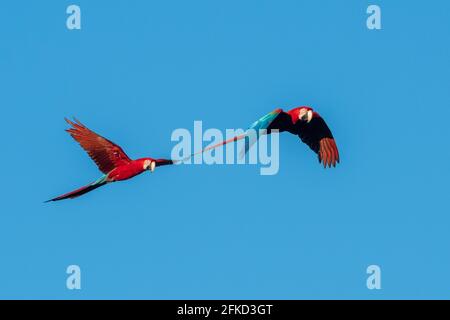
<point x="78" y="192"/>
<point x="240" y="137"/>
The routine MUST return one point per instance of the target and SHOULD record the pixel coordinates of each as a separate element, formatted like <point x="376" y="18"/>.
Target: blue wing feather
<point x="260" y="124"/>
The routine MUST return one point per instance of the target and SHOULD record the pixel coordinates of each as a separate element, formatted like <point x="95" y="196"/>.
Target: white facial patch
<point x="152" y="166"/>
<point x="310" y="115"/>
<point x="146" y="164"/>
<point x="301" y="113"/>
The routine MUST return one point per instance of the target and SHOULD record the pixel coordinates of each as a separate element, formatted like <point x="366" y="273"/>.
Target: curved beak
<point x="152" y="166"/>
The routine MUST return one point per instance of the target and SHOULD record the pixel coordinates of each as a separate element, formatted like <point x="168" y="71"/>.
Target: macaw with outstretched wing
<point x="110" y="159"/>
<point x="301" y="121"/>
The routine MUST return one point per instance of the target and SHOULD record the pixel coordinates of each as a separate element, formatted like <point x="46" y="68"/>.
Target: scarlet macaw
<point x="302" y="121"/>
<point x="110" y="159"/>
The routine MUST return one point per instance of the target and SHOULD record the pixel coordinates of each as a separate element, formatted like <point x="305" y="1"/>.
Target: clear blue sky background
<point x="139" y="69"/>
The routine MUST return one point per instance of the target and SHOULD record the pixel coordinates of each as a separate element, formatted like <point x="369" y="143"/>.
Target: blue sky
<point x="138" y="70"/>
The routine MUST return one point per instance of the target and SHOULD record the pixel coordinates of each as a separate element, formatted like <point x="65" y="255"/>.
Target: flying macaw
<point x="302" y="121"/>
<point x="110" y="159"/>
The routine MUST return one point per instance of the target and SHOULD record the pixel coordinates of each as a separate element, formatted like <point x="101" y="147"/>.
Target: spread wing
<point x="106" y="154"/>
<point x="319" y="138"/>
<point x="315" y="134"/>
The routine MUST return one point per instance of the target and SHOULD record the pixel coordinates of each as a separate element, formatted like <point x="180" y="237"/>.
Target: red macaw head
<point x="149" y="164"/>
<point x="302" y="113"/>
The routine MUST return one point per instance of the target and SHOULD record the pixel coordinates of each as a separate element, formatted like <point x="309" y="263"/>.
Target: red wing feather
<point x="106" y="154"/>
<point x="328" y="152"/>
<point x="319" y="138"/>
